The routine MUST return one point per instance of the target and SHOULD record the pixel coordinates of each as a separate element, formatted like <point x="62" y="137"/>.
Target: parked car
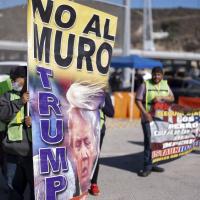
<point x="184" y="86"/>
<point x="6" y="66"/>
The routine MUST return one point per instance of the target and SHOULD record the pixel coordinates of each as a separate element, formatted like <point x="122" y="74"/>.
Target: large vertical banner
<point x="69" y="53"/>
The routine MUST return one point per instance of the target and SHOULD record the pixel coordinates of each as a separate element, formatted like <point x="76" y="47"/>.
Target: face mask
<point x="16" y="87"/>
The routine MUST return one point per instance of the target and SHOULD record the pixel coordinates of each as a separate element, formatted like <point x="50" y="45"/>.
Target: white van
<point x="6" y="66"/>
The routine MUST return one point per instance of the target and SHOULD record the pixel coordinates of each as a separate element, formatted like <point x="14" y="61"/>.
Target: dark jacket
<point x="108" y="111"/>
<point x="108" y="108"/>
<point x="8" y="110"/>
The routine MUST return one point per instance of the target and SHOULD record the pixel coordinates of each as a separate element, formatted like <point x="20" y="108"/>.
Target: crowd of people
<point x="16" y="158"/>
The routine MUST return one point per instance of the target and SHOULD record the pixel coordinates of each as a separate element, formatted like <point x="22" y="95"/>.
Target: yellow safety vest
<point x="15" y="126"/>
<point x="154" y="90"/>
<point x="102" y="119"/>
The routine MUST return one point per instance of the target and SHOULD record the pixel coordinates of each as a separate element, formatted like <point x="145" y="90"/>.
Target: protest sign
<point x="175" y="131"/>
<point x="69" y="53"/>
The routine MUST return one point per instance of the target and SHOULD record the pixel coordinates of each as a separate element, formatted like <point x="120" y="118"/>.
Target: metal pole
<point x="132" y="94"/>
<point x="127" y="43"/>
<point x="148" y="42"/>
<point x="127" y="29"/>
<point x="126" y="49"/>
<point x="28" y="103"/>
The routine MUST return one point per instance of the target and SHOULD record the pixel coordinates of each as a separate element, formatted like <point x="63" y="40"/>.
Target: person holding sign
<point x="18" y="168"/>
<point x="69" y="43"/>
<point x="106" y="110"/>
<point x="151" y="91"/>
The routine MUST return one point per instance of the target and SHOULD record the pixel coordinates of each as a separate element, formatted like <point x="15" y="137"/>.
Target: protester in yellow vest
<point x="106" y="110"/>
<point x="151" y="91"/>
<point x="15" y="127"/>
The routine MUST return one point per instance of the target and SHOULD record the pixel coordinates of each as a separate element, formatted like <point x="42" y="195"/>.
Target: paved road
<point x="122" y="157"/>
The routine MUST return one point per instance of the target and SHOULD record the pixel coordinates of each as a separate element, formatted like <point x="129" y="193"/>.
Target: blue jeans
<point x="18" y="173"/>
<point x="9" y="173"/>
<point x="147" y="146"/>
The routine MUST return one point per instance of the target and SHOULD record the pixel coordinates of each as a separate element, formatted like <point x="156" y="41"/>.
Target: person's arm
<point x="167" y="99"/>
<point x="108" y="108"/>
<point x="139" y="98"/>
<point x="146" y="115"/>
<point x="8" y="109"/>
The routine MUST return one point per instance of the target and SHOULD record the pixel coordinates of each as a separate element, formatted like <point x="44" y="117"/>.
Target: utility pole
<point x="148" y="43"/>
<point x="128" y="72"/>
<point x="127" y="29"/>
<point x="126" y="43"/>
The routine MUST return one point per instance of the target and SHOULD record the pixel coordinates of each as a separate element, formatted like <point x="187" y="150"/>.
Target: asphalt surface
<point x="121" y="159"/>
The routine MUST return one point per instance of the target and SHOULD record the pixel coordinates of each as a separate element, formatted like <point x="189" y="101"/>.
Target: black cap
<point x="157" y="70"/>
<point x="18" y="72"/>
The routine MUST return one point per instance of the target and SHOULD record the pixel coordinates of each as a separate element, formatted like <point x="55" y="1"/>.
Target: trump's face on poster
<point x="83" y="145"/>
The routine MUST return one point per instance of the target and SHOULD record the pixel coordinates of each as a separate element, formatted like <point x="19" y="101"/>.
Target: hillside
<point x="13" y="24"/>
<point x="181" y="24"/>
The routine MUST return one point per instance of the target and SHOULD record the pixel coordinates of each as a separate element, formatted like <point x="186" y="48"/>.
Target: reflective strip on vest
<point x="152" y="91"/>
<point x="102" y="119"/>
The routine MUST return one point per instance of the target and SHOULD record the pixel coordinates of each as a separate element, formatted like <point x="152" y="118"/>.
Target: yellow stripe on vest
<point x="19" y="118"/>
